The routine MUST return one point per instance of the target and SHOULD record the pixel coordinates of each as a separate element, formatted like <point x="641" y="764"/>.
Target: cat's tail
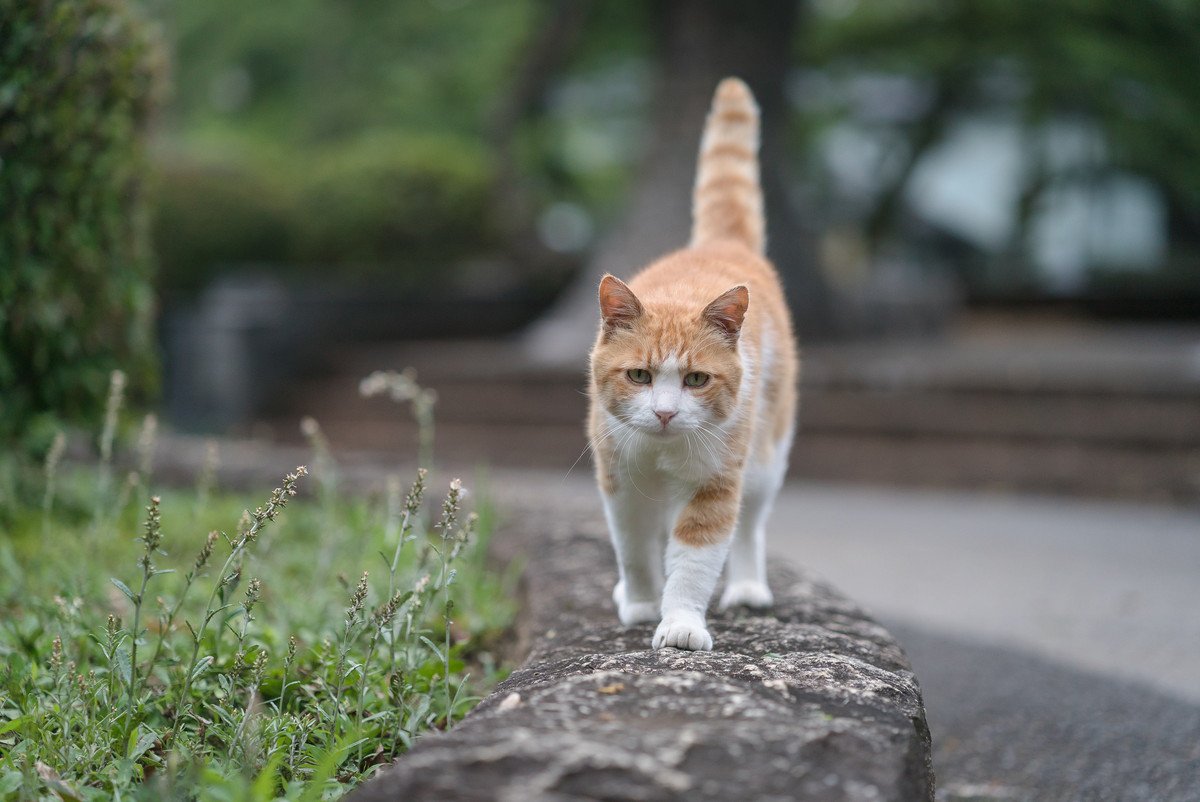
<point x="727" y="202"/>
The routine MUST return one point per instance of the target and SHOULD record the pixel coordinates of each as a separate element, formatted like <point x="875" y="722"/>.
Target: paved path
<point x="1009" y="725"/>
<point x="1107" y="587"/>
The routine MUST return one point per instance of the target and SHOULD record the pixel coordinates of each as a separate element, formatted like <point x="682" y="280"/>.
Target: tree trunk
<point x="697" y="43"/>
<point x="555" y="35"/>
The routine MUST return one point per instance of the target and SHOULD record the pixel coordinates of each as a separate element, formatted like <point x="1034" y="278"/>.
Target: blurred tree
<point x="1129" y="69"/>
<point x="696" y="43"/>
<point x="274" y="94"/>
<point x="550" y="41"/>
<point x="499" y="93"/>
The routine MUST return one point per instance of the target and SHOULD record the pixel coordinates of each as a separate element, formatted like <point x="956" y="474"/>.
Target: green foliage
<point x="288" y="76"/>
<point x="241" y="666"/>
<point x="386" y="204"/>
<point x="210" y="216"/>
<point x="316" y="134"/>
<point x="78" y="80"/>
<point x="386" y="200"/>
<point x="1127" y="68"/>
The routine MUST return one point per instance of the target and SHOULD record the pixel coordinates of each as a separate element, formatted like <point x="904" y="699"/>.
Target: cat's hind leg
<point x="637" y="526"/>
<point x="746" y="571"/>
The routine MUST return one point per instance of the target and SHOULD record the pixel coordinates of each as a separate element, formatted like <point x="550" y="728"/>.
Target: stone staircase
<point x="1103" y="412"/>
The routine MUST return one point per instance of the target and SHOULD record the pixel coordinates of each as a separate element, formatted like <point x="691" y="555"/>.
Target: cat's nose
<point x="665" y="417"/>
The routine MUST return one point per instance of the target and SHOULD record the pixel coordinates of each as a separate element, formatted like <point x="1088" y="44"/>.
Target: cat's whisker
<point x="638" y="464"/>
<point x="582" y="454"/>
<point x="707" y="446"/>
<point x="604" y="432"/>
<point x="634" y="433"/>
<point x="706" y="438"/>
<point x="719" y="437"/>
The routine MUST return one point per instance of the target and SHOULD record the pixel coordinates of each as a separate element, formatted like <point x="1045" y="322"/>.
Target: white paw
<point x="683" y="633"/>
<point x="632" y="613"/>
<point x="747" y="593"/>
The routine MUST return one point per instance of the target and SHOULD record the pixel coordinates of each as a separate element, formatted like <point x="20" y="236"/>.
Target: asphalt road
<point x="1057" y="642"/>
<point x="1009" y="725"/>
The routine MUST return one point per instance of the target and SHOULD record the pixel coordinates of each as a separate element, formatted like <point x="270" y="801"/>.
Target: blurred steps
<point x="1106" y="413"/>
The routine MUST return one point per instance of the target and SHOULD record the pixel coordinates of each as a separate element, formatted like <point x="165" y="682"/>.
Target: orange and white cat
<point x="693" y="399"/>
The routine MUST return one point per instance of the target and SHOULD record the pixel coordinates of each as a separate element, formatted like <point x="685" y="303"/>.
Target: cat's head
<point x="668" y="367"/>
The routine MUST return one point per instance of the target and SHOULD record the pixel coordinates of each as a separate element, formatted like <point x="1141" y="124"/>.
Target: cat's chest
<point x="683" y="463"/>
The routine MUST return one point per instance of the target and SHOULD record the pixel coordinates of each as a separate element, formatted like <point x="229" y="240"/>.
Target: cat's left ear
<point x="728" y="311"/>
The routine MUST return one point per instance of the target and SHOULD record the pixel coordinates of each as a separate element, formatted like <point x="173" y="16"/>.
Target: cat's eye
<point x="639" y="376"/>
<point x="696" y="379"/>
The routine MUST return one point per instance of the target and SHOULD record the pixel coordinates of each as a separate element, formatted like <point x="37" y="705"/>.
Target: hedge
<point x="79" y="80"/>
<point x="385" y="205"/>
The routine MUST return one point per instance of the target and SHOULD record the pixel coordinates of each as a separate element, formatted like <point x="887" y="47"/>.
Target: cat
<point x="693" y="399"/>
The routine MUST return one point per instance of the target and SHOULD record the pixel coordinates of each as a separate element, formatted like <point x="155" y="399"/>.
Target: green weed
<point x="155" y="654"/>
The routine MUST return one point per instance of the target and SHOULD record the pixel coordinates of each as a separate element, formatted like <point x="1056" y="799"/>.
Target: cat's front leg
<point x="696" y="554"/>
<point x="637" y="527"/>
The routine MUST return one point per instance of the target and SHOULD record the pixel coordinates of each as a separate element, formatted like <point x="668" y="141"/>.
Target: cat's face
<point x="666" y="370"/>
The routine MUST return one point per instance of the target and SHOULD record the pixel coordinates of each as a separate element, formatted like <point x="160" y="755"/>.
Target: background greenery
<point x="435" y="98"/>
<point x="318" y="134"/>
<point x="397" y="143"/>
<point x="1122" y="69"/>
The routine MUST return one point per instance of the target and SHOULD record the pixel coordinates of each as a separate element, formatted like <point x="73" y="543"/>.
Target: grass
<point x="198" y="644"/>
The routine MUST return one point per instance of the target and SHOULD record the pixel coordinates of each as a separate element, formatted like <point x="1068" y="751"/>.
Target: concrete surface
<point x="1107" y="587"/>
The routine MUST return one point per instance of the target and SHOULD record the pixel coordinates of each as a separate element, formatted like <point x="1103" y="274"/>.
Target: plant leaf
<point x="326" y="766"/>
<point x="10" y="781"/>
<point x="142" y="745"/>
<point x="121" y="657"/>
<point x="201" y="667"/>
<point x="268" y="779"/>
<point x="433" y="646"/>
<point x="121" y="586"/>
<point x="9" y="726"/>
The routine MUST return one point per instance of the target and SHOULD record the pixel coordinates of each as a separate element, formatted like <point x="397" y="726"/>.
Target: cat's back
<point x="690" y="277"/>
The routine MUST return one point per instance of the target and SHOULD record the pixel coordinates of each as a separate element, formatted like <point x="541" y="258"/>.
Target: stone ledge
<point x="814" y="701"/>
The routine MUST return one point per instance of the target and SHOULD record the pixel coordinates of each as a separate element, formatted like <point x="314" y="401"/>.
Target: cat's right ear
<point x="619" y="307"/>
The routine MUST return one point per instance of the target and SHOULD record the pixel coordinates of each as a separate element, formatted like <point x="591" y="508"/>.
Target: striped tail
<point x="727" y="202"/>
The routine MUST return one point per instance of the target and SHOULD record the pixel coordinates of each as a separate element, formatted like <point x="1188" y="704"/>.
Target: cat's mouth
<point x="658" y="430"/>
<point x="664" y="431"/>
